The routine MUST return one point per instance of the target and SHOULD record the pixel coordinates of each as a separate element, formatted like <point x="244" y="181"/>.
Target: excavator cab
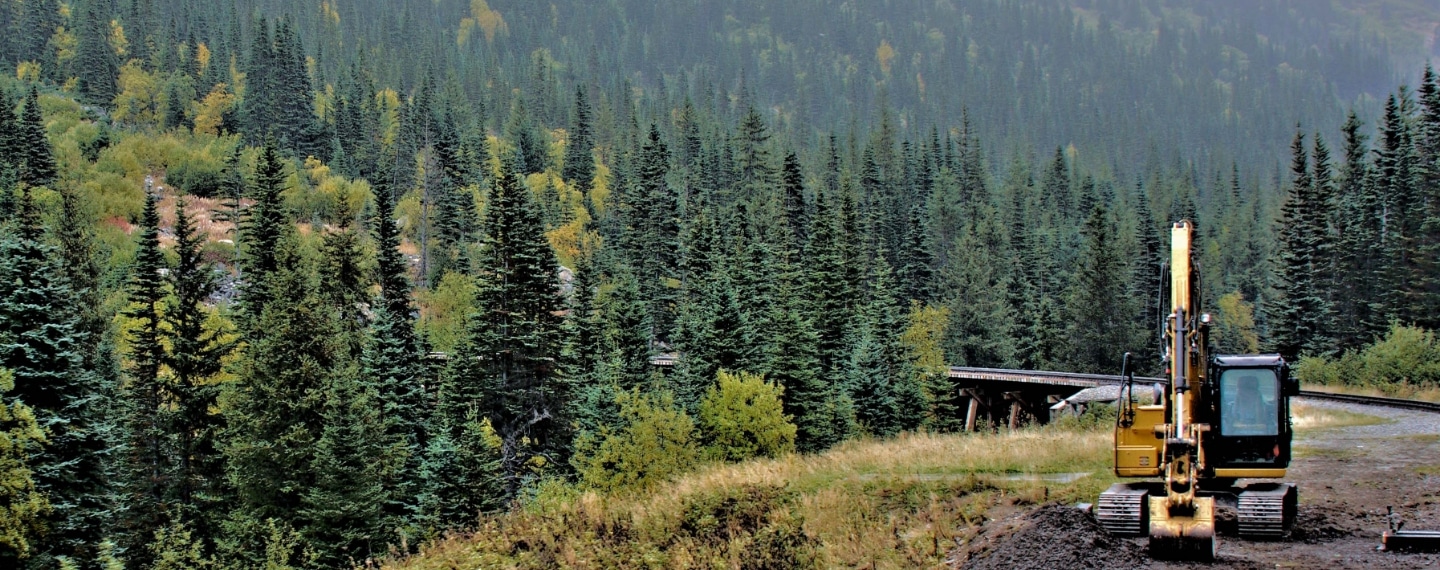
<point x="1252" y="412"/>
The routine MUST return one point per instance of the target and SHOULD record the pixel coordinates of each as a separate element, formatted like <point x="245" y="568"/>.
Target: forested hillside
<point x="298" y="286"/>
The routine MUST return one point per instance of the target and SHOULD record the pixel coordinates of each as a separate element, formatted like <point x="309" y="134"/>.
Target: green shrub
<point x="1408" y="357"/>
<point x="741" y="416"/>
<point x="197" y="177"/>
<point x="655" y="443"/>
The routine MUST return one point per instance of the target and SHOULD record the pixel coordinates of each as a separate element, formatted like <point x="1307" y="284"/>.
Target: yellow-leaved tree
<point x="1234" y="331"/>
<point x="21" y="505"/>
<point x="655" y="441"/>
<point x="742" y="416"/>
<point x="140" y="98"/>
<point x="210" y="111"/>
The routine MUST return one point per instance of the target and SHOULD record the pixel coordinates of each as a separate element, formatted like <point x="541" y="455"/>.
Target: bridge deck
<point x="1069" y="379"/>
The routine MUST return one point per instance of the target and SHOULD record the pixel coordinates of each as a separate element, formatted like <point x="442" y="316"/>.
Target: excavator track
<point x="1123" y="510"/>
<point x="1266" y="510"/>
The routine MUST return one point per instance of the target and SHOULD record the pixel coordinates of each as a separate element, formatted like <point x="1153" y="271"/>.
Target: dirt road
<point x="1347" y="478"/>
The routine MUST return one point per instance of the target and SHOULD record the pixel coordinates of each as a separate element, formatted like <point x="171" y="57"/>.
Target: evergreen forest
<point x="307" y="285"/>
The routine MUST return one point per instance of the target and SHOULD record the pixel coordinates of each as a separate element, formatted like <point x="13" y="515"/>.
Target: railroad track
<point x="1078" y="379"/>
<point x="1373" y="401"/>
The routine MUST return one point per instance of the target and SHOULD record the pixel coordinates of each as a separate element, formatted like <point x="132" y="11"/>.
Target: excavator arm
<point x="1182" y="525"/>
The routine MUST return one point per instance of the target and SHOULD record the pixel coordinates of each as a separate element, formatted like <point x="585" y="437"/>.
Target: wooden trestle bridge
<point x="996" y="397"/>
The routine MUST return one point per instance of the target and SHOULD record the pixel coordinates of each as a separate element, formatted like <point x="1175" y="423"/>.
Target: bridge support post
<point x="972" y="411"/>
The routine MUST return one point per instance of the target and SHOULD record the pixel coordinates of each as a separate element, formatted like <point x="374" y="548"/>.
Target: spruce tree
<point x="1397" y="171"/>
<point x="1298" y="311"/>
<point x="39" y="343"/>
<point x="1100" y="314"/>
<point x="982" y="320"/>
<point x="345" y="285"/>
<point x="195" y="358"/>
<point x="655" y="226"/>
<point x="354" y="459"/>
<point x="95" y="64"/>
<point x="264" y="224"/>
<point x="917" y="260"/>
<point x="38" y="163"/>
<point x="12" y="141"/>
<point x="797" y="215"/>
<point x="816" y="402"/>
<point x="275" y="409"/>
<point x="877" y="406"/>
<point x="391" y="366"/>
<point x="144" y="396"/>
<point x="506" y="365"/>
<point x="531" y="156"/>
<point x="624" y="327"/>
<point x="579" y="164"/>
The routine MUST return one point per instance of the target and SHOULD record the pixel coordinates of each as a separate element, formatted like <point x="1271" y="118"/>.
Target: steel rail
<point x="1381" y="401"/>
<point x="1076" y="378"/>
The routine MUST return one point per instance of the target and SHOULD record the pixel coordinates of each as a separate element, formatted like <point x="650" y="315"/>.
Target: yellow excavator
<point x="1221" y="419"/>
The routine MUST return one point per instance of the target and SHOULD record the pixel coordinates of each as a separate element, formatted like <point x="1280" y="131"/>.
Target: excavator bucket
<point x="1182" y="536"/>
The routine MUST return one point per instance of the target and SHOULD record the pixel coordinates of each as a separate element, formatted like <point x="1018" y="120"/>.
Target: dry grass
<point x="899" y="503"/>
<point x="1305" y="418"/>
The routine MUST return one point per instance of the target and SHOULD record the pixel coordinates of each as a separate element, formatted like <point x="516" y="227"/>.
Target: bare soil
<point x="1033" y="541"/>
<point x="1347" y="476"/>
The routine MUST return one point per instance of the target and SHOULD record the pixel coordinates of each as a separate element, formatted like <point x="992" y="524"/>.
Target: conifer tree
<point x="812" y="399"/>
<point x="461" y="475"/>
<point x="917" y="260"/>
<point x="195" y="357"/>
<point x="264" y="224"/>
<point x="579" y="164"/>
<point x="752" y="142"/>
<point x="354" y="459"/>
<point x="624" y="329"/>
<point x="275" y="409"/>
<point x="797" y="215"/>
<point x="39" y="21"/>
<point x="506" y="365"/>
<point x="655" y="225"/>
<point x="1098" y="306"/>
<point x="531" y="156"/>
<point x="391" y="366"/>
<point x="95" y="63"/>
<point x="39" y="344"/>
<point x="1397" y="171"/>
<point x="1146" y="279"/>
<point x="147" y="469"/>
<point x="38" y="166"/>
<point x="982" y="320"/>
<point x="829" y="286"/>
<point x="12" y="141"/>
<point x="1300" y="307"/>
<point x="345" y="286"/>
<point x="877" y="406"/>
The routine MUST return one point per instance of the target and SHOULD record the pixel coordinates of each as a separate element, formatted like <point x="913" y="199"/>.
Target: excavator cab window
<point x="1249" y="402"/>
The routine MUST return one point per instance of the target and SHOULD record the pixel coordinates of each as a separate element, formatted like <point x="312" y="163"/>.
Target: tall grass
<point x="904" y="502"/>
